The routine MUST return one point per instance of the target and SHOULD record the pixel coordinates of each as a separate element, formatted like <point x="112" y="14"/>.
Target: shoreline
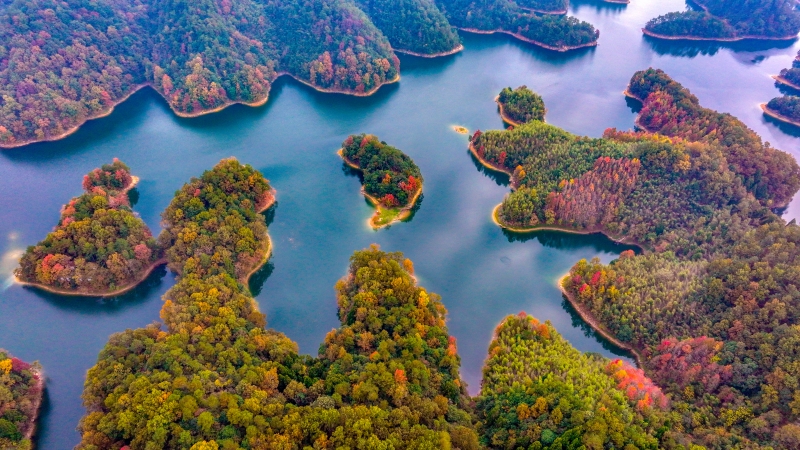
<point x="627" y="93"/>
<point x="488" y="165"/>
<point x="72" y="130"/>
<point x="503" y="115"/>
<point x="192" y="115"/>
<point x="777" y="116"/>
<point x="597" y="326"/>
<point x="717" y="39"/>
<point x="618" y="2"/>
<point x="558" y="12"/>
<point x="563" y="48"/>
<point x="59" y="291"/>
<point x="458" y="49"/>
<point x="39" y="373"/>
<point x="246" y="279"/>
<point x="785" y="82"/>
<point x="402" y="213"/>
<point x="560" y="229"/>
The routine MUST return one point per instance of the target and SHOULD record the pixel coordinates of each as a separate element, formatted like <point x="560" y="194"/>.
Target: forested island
<point x="710" y="307"/>
<point x="391" y="181"/>
<point x="99" y="247"/>
<point x="785" y="109"/>
<point x="520" y="105"/>
<point x="21" y="390"/>
<point x="729" y="20"/>
<point x="208" y="55"/>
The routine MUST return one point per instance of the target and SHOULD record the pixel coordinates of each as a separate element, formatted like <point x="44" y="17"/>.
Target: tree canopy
<point x="21" y="389"/>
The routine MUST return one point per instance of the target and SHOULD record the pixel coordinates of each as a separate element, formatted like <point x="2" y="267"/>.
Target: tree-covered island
<point x="99" y="247"/>
<point x="520" y="105"/>
<point x="391" y="180"/>
<point x="787" y="107"/>
<point x="204" y="56"/>
<point x="729" y="20"/>
<point x="21" y="391"/>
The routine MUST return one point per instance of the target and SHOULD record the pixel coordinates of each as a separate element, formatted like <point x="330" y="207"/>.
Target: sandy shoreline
<point x="430" y="55"/>
<point x="718" y="39"/>
<point x="185" y="115"/>
<point x="774" y="114"/>
<point x="114" y="293"/>
<point x="403" y="212"/>
<point x="563" y="48"/>
<point x="786" y="82"/>
<point x="268" y="252"/>
<point x="491" y="166"/>
<point x="597" y="326"/>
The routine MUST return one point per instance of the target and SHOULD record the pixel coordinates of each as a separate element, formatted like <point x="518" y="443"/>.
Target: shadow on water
<point x="351" y="172"/>
<point x="786" y="90"/>
<point x="130" y="114"/>
<point x="571" y="241"/>
<point x="786" y="128"/>
<point x="690" y="49"/>
<point x="44" y="412"/>
<point x="598" y="6"/>
<point x="633" y="104"/>
<point x="269" y="214"/>
<point x="500" y="178"/>
<point x="426" y="66"/>
<point x="114" y="305"/>
<point x="588" y="331"/>
<point x="133" y="197"/>
<point x="336" y="104"/>
<point x="477" y="41"/>
<point x="258" y="279"/>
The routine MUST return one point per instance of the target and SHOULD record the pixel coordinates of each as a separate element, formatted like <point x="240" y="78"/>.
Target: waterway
<point x="481" y="272"/>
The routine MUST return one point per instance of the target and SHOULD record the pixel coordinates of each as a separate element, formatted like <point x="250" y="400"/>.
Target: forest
<point x="787" y="106"/>
<point x="545" y="6"/>
<point x="21" y="390"/>
<point x="389" y="175"/>
<point x="211" y="376"/>
<point x="730" y="19"/>
<point x="710" y="305"/>
<point x="99" y="246"/>
<point x="791" y="74"/>
<point x="520" y="105"/>
<point x="65" y="62"/>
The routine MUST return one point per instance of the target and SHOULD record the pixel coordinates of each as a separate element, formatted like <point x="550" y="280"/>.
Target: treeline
<point x="670" y="109"/>
<point x="545" y="6"/>
<point x="554" y="31"/>
<point x="730" y="19"/>
<point x="390" y="175"/>
<point x="99" y="245"/>
<point x="521" y="105"/>
<point x="65" y="62"/>
<point x="539" y="392"/>
<point x="21" y="389"/>
<point x="711" y="306"/>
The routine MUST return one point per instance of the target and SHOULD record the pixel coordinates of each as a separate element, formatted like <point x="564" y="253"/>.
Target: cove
<point x="482" y="272"/>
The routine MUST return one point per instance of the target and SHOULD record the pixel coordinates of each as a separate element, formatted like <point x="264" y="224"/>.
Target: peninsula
<point x="99" y="247"/>
<point x="720" y="20"/>
<point x="22" y="385"/>
<point x="391" y="180"/>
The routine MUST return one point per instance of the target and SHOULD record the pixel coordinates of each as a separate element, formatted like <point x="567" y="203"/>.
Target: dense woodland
<point x="521" y="104"/>
<point x="21" y="390"/>
<point x="64" y="62"/>
<point x="539" y="392"/>
<point x="712" y="303"/>
<point x="729" y="19"/>
<point x="390" y="176"/>
<point x="99" y="245"/>
<point x="787" y="106"/>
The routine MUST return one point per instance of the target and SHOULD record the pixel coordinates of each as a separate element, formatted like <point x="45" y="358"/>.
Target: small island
<point x="721" y="21"/>
<point x="460" y="130"/>
<point x="99" y="247"/>
<point x="520" y="105"/>
<point x="785" y="108"/>
<point x="22" y="387"/>
<point x="391" y="180"/>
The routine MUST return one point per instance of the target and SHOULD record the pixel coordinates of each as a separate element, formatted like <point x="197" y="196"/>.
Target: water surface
<point x="482" y="273"/>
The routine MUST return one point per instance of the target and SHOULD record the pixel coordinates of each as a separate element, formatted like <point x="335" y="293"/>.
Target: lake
<point x="481" y="272"/>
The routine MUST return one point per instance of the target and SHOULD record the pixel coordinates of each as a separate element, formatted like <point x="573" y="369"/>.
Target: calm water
<point x="481" y="272"/>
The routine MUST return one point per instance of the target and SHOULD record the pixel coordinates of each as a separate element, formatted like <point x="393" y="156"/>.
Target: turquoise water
<point x="482" y="273"/>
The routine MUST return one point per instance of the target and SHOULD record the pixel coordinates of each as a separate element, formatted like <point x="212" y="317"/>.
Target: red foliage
<point x="690" y="361"/>
<point x="389" y="200"/>
<point x="142" y="252"/>
<point x="637" y="387"/>
<point x="593" y="199"/>
<point x="17" y="365"/>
